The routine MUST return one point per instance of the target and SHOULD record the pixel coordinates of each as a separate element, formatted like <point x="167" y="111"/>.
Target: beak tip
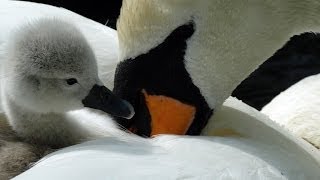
<point x="103" y="99"/>
<point x="130" y="110"/>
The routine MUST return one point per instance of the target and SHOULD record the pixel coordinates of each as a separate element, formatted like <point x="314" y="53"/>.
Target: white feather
<point x="298" y="109"/>
<point x="263" y="151"/>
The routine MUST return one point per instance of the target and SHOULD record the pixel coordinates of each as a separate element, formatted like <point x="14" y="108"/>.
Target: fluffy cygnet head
<point x="51" y="68"/>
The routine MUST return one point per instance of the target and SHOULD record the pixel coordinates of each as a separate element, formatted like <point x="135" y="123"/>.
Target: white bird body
<point x="262" y="151"/>
<point x="297" y="109"/>
<point x="253" y="147"/>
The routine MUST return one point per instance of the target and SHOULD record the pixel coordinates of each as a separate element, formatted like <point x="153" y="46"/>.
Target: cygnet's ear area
<point x="161" y="90"/>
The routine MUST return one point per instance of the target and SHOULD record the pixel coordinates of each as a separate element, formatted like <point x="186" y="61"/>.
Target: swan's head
<point x="180" y="59"/>
<point x="51" y="68"/>
<point x="156" y="72"/>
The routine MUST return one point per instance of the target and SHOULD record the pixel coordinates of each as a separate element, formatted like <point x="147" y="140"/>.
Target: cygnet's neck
<point x="52" y="129"/>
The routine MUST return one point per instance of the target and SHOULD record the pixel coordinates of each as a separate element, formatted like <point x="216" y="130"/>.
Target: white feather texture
<point x="263" y="151"/>
<point x="298" y="109"/>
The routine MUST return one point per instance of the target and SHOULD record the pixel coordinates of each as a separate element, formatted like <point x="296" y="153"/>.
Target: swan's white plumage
<point x="263" y="151"/>
<point x="298" y="109"/>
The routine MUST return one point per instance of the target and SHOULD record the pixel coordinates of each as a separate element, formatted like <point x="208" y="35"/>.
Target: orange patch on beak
<point x="168" y="115"/>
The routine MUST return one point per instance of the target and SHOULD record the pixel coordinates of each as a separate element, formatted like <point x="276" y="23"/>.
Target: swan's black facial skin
<point x="161" y="72"/>
<point x="103" y="99"/>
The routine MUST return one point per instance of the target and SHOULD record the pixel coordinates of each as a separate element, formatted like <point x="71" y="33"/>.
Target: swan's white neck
<point x="231" y="39"/>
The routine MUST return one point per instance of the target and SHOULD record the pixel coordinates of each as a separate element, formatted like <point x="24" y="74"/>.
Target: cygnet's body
<point x="33" y="117"/>
<point x="51" y="70"/>
<point x="48" y="69"/>
<point x="16" y="155"/>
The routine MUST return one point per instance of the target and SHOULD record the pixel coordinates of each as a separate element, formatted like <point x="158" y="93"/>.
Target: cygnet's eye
<point x="71" y="81"/>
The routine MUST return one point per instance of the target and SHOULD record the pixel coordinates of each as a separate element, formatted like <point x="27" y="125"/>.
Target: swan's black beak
<point x="103" y="99"/>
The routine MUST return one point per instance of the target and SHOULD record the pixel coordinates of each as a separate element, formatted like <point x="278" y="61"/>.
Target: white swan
<point x="220" y="42"/>
<point x="297" y="109"/>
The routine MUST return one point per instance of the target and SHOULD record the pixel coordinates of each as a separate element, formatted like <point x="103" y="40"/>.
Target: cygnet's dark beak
<point x="103" y="99"/>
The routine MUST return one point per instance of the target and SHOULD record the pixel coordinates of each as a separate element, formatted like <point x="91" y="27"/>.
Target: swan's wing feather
<point x="263" y="151"/>
<point x="297" y="109"/>
<point x="166" y="157"/>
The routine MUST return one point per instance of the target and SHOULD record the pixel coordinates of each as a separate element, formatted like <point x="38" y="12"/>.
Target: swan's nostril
<point x="71" y="81"/>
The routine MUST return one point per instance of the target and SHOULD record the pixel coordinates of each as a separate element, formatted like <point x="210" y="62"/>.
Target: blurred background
<point x="298" y="59"/>
<point x="105" y="12"/>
